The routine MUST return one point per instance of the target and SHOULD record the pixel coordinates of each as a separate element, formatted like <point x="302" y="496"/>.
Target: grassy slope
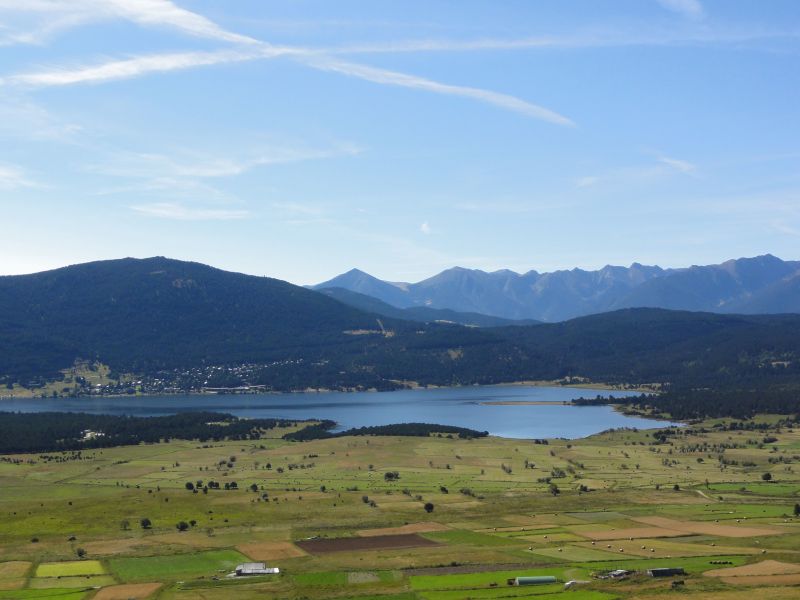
<point x="91" y="498"/>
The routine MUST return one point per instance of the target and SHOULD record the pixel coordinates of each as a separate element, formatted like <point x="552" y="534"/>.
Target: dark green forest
<point x="61" y="431"/>
<point x="322" y="430"/>
<point x="186" y="325"/>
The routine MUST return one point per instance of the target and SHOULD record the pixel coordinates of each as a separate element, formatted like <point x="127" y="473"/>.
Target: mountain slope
<point x="747" y="285"/>
<point x="422" y="314"/>
<point x="180" y="323"/>
<point x="728" y="287"/>
<point x="161" y="313"/>
<point x="363" y="283"/>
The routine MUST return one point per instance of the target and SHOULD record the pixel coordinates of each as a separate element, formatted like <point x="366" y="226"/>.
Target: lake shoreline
<point x="510" y="411"/>
<point x="408" y="386"/>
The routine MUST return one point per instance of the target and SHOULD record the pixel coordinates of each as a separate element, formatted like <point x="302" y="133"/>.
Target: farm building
<point x="246" y="569"/>
<point x="666" y="572"/>
<point x="535" y="580"/>
<point x="619" y="574"/>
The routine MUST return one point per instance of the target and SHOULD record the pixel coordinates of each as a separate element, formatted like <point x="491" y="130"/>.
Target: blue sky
<point x="300" y="138"/>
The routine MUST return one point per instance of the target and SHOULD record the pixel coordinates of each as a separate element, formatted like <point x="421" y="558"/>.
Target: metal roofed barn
<point x="666" y="572"/>
<point x="532" y="580"/>
<point x="246" y="569"/>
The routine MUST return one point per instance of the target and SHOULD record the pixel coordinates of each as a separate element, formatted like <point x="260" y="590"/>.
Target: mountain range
<point x="181" y="325"/>
<point x="760" y="285"/>
<point x="421" y="314"/>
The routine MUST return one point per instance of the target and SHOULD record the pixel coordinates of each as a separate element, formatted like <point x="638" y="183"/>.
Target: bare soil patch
<point x="775" y="593"/>
<point x="128" y="592"/>
<point x="189" y="538"/>
<point x="632" y="532"/>
<point x="705" y="528"/>
<point x="461" y="569"/>
<point x="659" y="548"/>
<point x="378" y="542"/>
<point x="267" y="551"/>
<point x="761" y="580"/>
<point x="362" y="577"/>
<point x="113" y="547"/>
<point x="14" y="568"/>
<point x="765" y="567"/>
<point x="403" y="529"/>
<point x="514" y="529"/>
<point x="529" y="520"/>
<point x="12" y="574"/>
<point x="599" y="516"/>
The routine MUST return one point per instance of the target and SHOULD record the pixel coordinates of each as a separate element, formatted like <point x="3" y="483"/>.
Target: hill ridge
<point x="761" y="284"/>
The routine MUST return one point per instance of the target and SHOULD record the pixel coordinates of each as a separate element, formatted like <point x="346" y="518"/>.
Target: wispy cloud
<point x="394" y="78"/>
<point x="425" y="228"/>
<point x="181" y="212"/>
<point x="166" y="13"/>
<point x="512" y="207"/>
<point x="301" y="213"/>
<point x="785" y="228"/>
<point x="13" y="177"/>
<point x="607" y="37"/>
<point x="184" y="163"/>
<point x="56" y="15"/>
<point x="682" y="166"/>
<point x="664" y="167"/>
<point x="19" y="117"/>
<point x="39" y="32"/>
<point x="297" y="208"/>
<point x="129" y="68"/>
<point x="688" y="8"/>
<point x="588" y="181"/>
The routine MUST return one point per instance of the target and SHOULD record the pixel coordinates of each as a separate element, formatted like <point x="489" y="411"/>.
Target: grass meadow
<point x="72" y="528"/>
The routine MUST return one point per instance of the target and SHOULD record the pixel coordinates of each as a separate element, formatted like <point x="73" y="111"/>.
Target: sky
<point x="301" y="138"/>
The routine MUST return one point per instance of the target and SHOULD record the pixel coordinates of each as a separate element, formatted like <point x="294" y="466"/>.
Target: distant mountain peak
<point x="357" y="280"/>
<point x="756" y="284"/>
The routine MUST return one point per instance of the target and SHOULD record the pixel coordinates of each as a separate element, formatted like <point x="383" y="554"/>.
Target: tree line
<point x="60" y="431"/>
<point x="322" y="430"/>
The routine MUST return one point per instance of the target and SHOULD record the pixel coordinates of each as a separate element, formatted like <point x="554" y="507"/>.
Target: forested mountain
<point x="760" y="285"/>
<point x="188" y="326"/>
<point x="422" y="314"/>
<point x="157" y="313"/>
<point x="363" y="283"/>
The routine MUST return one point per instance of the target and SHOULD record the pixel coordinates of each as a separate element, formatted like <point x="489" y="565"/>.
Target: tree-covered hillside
<point x="142" y="315"/>
<point x="186" y="326"/>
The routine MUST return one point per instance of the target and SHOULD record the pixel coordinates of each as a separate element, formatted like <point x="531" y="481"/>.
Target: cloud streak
<point x="57" y="15"/>
<point x="186" y="164"/>
<point x="181" y="212"/>
<point x="166" y="13"/>
<point x="682" y="166"/>
<point x="13" y="177"/>
<point x="691" y="9"/>
<point x="130" y="68"/>
<point x="393" y="78"/>
<point x="664" y="167"/>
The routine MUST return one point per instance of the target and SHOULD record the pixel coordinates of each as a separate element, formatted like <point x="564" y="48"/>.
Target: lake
<point x="460" y="406"/>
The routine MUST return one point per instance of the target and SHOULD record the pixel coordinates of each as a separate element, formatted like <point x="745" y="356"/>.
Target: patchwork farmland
<point x="394" y="518"/>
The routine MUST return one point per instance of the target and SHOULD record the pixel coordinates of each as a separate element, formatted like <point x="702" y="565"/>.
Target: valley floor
<point x="328" y="515"/>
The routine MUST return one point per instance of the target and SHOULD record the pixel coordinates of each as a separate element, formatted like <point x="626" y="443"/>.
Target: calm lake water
<point x="463" y="406"/>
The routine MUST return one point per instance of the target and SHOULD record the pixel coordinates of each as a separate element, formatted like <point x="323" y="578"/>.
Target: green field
<point x="177" y="566"/>
<point x="55" y="594"/>
<point x="67" y="569"/>
<point x="492" y="518"/>
<point x="83" y="582"/>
